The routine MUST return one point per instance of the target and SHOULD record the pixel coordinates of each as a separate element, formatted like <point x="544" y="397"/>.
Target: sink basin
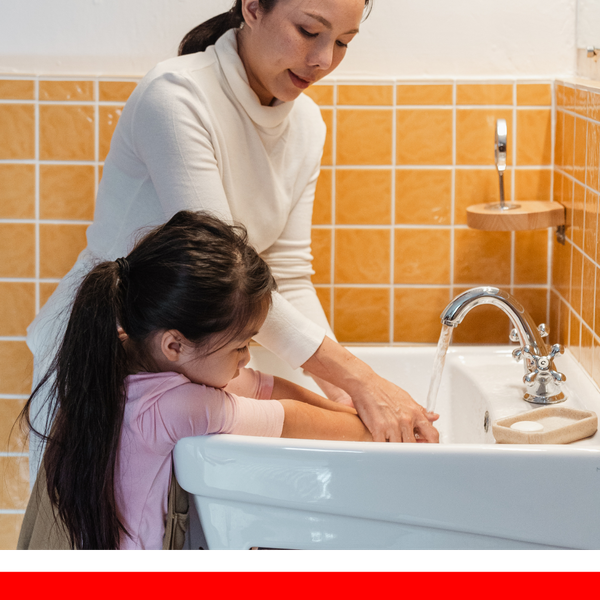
<point x="465" y="493"/>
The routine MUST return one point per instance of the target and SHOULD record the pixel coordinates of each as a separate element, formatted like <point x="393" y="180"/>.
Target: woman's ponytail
<point x="87" y="402"/>
<point x="207" y="33"/>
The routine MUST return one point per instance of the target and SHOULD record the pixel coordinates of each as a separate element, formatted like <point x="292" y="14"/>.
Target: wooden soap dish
<point x="556" y="425"/>
<point x="532" y="214"/>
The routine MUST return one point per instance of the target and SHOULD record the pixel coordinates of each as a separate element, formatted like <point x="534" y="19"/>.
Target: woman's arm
<point x="388" y="411"/>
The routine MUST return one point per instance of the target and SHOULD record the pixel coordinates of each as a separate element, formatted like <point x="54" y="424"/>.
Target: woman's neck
<point x="266" y="99"/>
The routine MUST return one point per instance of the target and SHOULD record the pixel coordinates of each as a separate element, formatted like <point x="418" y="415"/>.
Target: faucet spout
<point x="540" y="376"/>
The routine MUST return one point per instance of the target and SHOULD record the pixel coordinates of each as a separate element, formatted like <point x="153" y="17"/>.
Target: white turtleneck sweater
<point x="194" y="136"/>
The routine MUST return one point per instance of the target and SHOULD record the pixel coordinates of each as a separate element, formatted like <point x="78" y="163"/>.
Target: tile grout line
<point x="550" y="240"/>
<point x="522" y="286"/>
<point x="333" y="207"/>
<point x="37" y="195"/>
<point x="385" y="226"/>
<point x="97" y="136"/>
<point x="453" y="194"/>
<point x="393" y="215"/>
<point x="513" y="235"/>
<point x="571" y="161"/>
<point x="584" y="254"/>
<point x="30" y="161"/>
<point x="45" y="221"/>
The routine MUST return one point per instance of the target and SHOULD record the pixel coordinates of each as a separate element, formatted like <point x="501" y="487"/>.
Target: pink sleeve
<point x="251" y="384"/>
<point x="192" y="409"/>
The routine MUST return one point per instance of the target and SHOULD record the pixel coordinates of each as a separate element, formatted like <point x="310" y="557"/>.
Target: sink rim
<point x="450" y="487"/>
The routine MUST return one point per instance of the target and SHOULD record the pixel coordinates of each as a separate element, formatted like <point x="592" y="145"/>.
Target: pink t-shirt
<point x="161" y="409"/>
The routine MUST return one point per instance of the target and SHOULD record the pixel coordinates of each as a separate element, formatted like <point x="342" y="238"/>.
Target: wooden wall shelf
<point x="532" y="214"/>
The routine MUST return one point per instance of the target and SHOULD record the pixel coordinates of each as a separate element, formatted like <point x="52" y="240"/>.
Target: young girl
<point x="154" y="351"/>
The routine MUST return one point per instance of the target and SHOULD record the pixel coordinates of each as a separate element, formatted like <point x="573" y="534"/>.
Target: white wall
<point x="588" y="23"/>
<point x="401" y="38"/>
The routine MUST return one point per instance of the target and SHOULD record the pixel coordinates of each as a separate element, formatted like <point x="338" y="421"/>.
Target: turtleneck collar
<point x="265" y="116"/>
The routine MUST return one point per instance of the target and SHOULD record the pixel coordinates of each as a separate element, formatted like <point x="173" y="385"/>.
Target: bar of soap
<point x="527" y="426"/>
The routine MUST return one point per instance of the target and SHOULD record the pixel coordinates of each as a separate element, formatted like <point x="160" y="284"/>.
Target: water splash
<point x="438" y="367"/>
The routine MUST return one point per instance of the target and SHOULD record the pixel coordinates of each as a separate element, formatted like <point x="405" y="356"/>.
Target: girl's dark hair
<point x="194" y="274"/>
<point x="207" y="33"/>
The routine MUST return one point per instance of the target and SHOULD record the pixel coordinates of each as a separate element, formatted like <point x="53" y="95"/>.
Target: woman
<point x="225" y="128"/>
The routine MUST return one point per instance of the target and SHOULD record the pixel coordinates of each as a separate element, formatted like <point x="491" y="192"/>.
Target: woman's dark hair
<point x="194" y="274"/>
<point x="207" y="33"/>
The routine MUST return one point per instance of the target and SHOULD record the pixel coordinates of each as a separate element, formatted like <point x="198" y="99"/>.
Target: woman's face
<point x="296" y="44"/>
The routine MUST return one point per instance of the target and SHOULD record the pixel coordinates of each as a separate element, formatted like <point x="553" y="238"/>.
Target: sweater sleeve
<point x="291" y="260"/>
<point x="290" y="257"/>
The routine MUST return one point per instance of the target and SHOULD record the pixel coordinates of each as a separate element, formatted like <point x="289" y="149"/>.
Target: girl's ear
<point x="171" y="345"/>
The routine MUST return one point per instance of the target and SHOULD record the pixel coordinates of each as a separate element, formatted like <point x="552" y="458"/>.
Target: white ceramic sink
<point x="465" y="493"/>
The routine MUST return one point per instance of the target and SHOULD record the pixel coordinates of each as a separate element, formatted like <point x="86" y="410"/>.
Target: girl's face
<point x="206" y="366"/>
<point x="218" y="368"/>
<point x="296" y="44"/>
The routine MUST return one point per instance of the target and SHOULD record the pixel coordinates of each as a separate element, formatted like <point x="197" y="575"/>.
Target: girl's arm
<point x="310" y="416"/>
<point x="306" y="421"/>
<point x="284" y="389"/>
<point x="325" y="422"/>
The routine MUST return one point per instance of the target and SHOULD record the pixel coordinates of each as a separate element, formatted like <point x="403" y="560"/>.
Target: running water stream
<point x="438" y="367"/>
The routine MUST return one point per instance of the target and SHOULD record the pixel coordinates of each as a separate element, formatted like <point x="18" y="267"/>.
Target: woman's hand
<point x="388" y="411"/>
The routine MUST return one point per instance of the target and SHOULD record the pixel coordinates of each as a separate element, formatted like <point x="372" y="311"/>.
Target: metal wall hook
<point x="561" y="230"/>
<point x="500" y="143"/>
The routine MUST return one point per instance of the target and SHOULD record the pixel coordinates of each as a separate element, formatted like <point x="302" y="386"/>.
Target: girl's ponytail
<point x="87" y="400"/>
<point x="194" y="274"/>
<point x="207" y="33"/>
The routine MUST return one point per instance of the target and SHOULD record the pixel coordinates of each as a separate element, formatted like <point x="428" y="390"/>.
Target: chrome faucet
<point x="541" y="377"/>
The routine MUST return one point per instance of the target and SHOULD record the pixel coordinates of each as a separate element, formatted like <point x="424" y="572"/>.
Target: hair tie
<point x="123" y="267"/>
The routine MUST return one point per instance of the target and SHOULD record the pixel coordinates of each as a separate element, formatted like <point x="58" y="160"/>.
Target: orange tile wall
<point x="54" y="136"/>
<point x="390" y="242"/>
<point x="401" y="164"/>
<point x="575" y="303"/>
